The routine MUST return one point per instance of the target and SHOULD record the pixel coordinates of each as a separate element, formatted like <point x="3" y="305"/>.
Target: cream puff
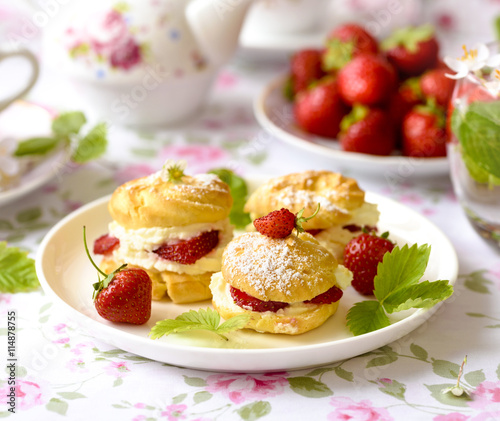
<point x="173" y="226"/>
<point x="287" y="285"/>
<point x="343" y="210"/>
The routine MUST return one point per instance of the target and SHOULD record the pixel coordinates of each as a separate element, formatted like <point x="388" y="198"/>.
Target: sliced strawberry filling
<point x="105" y="244"/>
<point x="356" y="228"/>
<point x="245" y="300"/>
<point x="314" y="232"/>
<point x="331" y="296"/>
<point x="187" y="252"/>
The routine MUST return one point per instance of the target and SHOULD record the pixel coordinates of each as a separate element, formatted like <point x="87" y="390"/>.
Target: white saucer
<point x="275" y="114"/>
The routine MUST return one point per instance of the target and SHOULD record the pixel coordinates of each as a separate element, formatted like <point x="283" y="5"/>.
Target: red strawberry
<point x="245" y="300"/>
<point x="363" y="41"/>
<point x="434" y="84"/>
<point x="412" y="50"/>
<point x="331" y="296"/>
<point x="344" y="43"/>
<point x="362" y="255"/>
<point x="369" y="131"/>
<point x="189" y="251"/>
<point x="320" y="109"/>
<point x="105" y="244"/>
<point x="407" y="96"/>
<point x="127" y="298"/>
<point x="368" y="79"/>
<point x="277" y="224"/>
<point x="305" y="68"/>
<point x="123" y="296"/>
<point x="280" y="223"/>
<point x="424" y="132"/>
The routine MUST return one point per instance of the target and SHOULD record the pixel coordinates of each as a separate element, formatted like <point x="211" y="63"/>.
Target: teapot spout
<point x="216" y="25"/>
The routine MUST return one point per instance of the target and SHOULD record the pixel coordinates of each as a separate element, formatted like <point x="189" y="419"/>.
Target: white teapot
<point x="144" y="62"/>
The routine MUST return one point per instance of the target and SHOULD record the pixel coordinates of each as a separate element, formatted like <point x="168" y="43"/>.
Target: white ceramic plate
<point x="13" y="124"/>
<point x="274" y="113"/>
<point x="41" y="173"/>
<point x="66" y="274"/>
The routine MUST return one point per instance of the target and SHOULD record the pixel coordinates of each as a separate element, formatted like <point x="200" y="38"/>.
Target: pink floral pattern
<point x="348" y="409"/>
<point x="174" y="412"/>
<point x="117" y="369"/>
<point x="106" y="38"/>
<point x="29" y="393"/>
<point x="199" y="158"/>
<point x="240" y="387"/>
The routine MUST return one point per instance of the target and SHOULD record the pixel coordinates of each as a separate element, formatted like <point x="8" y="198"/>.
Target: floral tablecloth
<point x="65" y="373"/>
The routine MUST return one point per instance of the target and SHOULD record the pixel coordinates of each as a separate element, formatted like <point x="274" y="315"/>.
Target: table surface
<point x="64" y="371"/>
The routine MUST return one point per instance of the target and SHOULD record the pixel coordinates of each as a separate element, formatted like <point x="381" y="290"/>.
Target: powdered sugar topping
<point x="268" y="263"/>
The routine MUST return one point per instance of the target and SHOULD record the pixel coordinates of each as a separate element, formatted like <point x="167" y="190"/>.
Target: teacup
<point x="33" y="62"/>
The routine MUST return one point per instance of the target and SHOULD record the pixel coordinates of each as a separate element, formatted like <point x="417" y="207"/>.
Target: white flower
<point x="472" y="60"/>
<point x="9" y="164"/>
<point x="173" y="171"/>
<point x="493" y="85"/>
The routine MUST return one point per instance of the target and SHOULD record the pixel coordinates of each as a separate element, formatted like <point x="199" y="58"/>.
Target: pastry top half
<point x="289" y="270"/>
<point x="337" y="195"/>
<point x="153" y="201"/>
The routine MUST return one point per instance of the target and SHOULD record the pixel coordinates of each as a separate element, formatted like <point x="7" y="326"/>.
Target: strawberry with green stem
<point x="369" y="131"/>
<point x="412" y="50"/>
<point x="281" y="223"/>
<point x="123" y="295"/>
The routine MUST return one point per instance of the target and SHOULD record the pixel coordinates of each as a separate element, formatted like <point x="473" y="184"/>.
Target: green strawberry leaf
<point x="397" y="288"/>
<point x="422" y="295"/>
<point x="68" y="123"/>
<point x="366" y="316"/>
<point x="203" y="319"/>
<point x="400" y="269"/>
<point x="239" y="191"/>
<point x="17" y="270"/>
<point x="91" y="146"/>
<point x="36" y="146"/>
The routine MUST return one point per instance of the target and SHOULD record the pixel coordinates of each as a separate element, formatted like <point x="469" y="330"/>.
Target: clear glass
<point x="474" y="154"/>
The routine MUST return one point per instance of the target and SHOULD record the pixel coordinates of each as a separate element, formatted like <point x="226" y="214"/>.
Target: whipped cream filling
<point x="137" y="246"/>
<point x="221" y="294"/>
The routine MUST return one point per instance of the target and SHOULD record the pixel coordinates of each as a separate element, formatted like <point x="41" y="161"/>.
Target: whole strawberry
<point x="305" y="68"/>
<point x="369" y="131"/>
<point x="368" y="79"/>
<point x="281" y="223"/>
<point x="424" y="132"/>
<point x="412" y="50"/>
<point x="126" y="298"/>
<point x="404" y="99"/>
<point x="436" y="85"/>
<point x="346" y="42"/>
<point x="320" y="109"/>
<point x="362" y="255"/>
<point x="123" y="296"/>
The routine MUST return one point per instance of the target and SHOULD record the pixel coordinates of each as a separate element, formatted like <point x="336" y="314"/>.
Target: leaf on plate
<point x="400" y="268"/>
<point x="366" y="316"/>
<point x="17" y="270"/>
<point x="423" y="295"/>
<point x="68" y="123"/>
<point x="397" y="288"/>
<point x="203" y="319"/>
<point x="239" y="191"/>
<point x="36" y="146"/>
<point x="91" y="146"/>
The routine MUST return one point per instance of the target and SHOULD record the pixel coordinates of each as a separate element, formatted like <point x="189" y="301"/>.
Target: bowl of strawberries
<point x="369" y="103"/>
